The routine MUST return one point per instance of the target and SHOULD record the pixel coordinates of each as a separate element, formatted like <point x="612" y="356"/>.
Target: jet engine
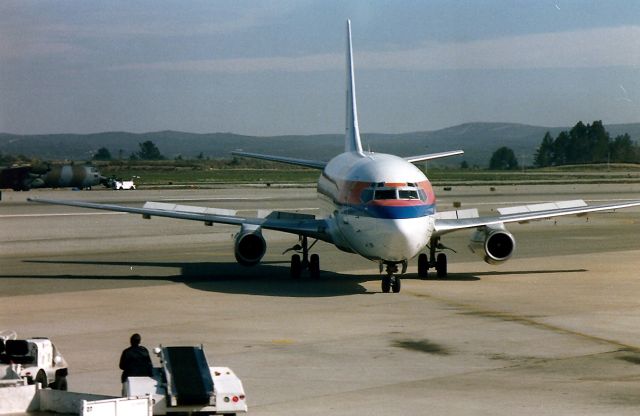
<point x="249" y="245"/>
<point x="493" y="243"/>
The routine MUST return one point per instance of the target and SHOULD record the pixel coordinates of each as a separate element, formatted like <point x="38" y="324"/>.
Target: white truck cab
<point x="35" y="360"/>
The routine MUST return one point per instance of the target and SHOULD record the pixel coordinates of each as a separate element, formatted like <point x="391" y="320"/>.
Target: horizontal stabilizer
<point x="313" y="164"/>
<point x="431" y="156"/>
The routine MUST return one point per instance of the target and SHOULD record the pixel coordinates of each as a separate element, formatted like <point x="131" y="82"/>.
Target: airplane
<point x="24" y="178"/>
<point x="379" y="206"/>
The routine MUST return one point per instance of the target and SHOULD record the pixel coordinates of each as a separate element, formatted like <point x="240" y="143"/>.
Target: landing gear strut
<point x="439" y="261"/>
<point x="312" y="263"/>
<point x="390" y="281"/>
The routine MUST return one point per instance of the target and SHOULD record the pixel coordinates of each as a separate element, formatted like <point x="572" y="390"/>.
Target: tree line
<point x="148" y="151"/>
<point x="588" y="143"/>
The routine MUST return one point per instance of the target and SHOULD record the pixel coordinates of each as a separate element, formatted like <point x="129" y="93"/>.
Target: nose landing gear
<point x="391" y="282"/>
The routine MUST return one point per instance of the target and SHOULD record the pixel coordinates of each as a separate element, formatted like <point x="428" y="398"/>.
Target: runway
<point x="554" y="331"/>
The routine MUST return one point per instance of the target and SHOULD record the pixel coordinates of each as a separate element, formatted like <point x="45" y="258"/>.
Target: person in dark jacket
<point x="135" y="361"/>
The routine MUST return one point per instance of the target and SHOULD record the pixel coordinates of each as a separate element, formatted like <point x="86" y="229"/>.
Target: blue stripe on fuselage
<point x="395" y="212"/>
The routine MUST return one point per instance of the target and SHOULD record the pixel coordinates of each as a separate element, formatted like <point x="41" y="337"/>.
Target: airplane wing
<point x="447" y="222"/>
<point x="300" y="224"/>
<point x="314" y="164"/>
<point x="430" y="156"/>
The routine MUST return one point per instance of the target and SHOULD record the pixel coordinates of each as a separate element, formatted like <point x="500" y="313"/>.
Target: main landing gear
<point x="310" y="262"/>
<point x="439" y="261"/>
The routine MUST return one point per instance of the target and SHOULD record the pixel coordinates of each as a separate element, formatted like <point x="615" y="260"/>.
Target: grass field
<point x="203" y="173"/>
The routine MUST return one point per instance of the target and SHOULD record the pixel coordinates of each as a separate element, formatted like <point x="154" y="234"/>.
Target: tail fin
<point x="352" y="141"/>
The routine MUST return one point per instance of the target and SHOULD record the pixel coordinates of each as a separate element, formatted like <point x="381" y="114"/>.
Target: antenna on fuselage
<point x="352" y="141"/>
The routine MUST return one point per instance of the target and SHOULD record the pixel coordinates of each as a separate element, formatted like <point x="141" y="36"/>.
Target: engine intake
<point x="250" y="246"/>
<point x="493" y="243"/>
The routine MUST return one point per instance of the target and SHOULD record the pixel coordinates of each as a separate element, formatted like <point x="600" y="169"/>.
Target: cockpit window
<point x="386" y="194"/>
<point x="408" y="194"/>
<point x="423" y="195"/>
<point x="366" y="195"/>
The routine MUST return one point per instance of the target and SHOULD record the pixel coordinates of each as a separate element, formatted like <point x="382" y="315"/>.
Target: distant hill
<point x="478" y="140"/>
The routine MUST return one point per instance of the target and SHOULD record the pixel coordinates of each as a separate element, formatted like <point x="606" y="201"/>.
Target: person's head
<point x="135" y="340"/>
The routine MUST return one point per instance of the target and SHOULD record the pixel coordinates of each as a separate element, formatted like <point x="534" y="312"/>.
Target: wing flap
<point x="457" y="214"/>
<point x="188" y="208"/>
<point x="547" y="206"/>
<point x="447" y="225"/>
<point x="300" y="224"/>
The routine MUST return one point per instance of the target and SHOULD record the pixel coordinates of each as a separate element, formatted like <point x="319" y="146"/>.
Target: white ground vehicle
<point x="35" y="360"/>
<point x="120" y="185"/>
<point x="185" y="383"/>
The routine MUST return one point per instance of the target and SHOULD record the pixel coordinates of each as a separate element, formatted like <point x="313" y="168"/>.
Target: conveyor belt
<point x="191" y="379"/>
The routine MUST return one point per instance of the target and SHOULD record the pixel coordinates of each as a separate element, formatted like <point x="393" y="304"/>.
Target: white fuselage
<point x="380" y="206"/>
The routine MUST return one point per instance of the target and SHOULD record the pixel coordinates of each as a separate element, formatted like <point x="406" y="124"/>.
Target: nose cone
<point x="405" y="239"/>
<point x="37" y="183"/>
<point x="393" y="240"/>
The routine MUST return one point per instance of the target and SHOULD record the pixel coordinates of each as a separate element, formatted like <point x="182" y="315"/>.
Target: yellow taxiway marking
<point x="282" y="341"/>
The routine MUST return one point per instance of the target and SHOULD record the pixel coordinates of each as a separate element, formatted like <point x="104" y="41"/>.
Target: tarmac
<point x="553" y="331"/>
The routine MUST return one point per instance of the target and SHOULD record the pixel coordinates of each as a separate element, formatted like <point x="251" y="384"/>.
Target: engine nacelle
<point x="493" y="243"/>
<point x="249" y="245"/>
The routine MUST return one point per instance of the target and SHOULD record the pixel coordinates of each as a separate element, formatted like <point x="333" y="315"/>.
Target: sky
<point x="276" y="67"/>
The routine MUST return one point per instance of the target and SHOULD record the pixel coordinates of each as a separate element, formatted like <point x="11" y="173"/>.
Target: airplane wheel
<point x="41" y="378"/>
<point x="441" y="265"/>
<point x="314" y="266"/>
<point x="296" y="266"/>
<point x="395" y="284"/>
<point x="60" y="383"/>
<point x="423" y="266"/>
<point x="386" y="284"/>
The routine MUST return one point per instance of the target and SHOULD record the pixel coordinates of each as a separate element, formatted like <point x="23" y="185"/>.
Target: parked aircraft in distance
<point x="23" y="178"/>
<point x="379" y="206"/>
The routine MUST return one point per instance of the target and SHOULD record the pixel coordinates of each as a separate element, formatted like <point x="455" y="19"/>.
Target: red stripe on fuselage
<point x="350" y="192"/>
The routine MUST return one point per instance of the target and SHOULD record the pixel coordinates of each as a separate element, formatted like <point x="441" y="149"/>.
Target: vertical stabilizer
<point x="352" y="141"/>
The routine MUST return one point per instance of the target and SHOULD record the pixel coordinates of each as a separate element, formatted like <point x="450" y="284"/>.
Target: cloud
<point x="29" y="33"/>
<point x="307" y="63"/>
<point x="28" y="47"/>
<point x="593" y="48"/>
